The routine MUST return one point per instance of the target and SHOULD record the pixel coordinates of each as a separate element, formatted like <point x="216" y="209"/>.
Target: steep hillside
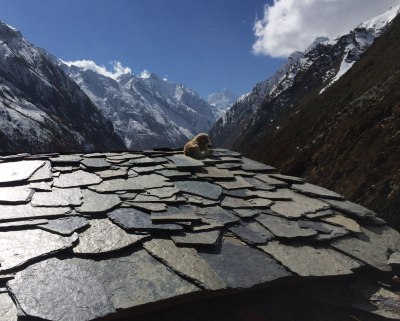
<point x="146" y="110"/>
<point x="348" y="138"/>
<point x="41" y="109"/>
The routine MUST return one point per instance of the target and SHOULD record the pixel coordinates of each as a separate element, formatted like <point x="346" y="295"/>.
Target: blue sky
<point x="204" y="44"/>
<point x="207" y="45"/>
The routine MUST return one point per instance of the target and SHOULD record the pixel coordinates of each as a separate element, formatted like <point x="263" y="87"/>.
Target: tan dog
<point x="198" y="147"/>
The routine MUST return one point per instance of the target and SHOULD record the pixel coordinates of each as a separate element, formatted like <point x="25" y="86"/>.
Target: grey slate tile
<point x="59" y="290"/>
<point x="76" y="179"/>
<point x="202" y="238"/>
<point x="316" y="191"/>
<point x="253" y="166"/>
<point x="200" y="188"/>
<point x="65" y="159"/>
<point x="238" y="183"/>
<point x="58" y="197"/>
<point x="186" y="262"/>
<point x="27" y="211"/>
<point x="17" y="194"/>
<point x="216" y="215"/>
<point x="18" y="171"/>
<point x="241" y="266"/>
<point x="95" y="164"/>
<point x="352" y="209"/>
<point x="8" y="310"/>
<point x="96" y="203"/>
<point x="42" y="174"/>
<point x="65" y="225"/>
<point x="252" y="233"/>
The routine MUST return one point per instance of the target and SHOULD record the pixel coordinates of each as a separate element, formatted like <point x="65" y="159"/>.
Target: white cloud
<point x="117" y="68"/>
<point x="145" y="74"/>
<point x="292" y="25"/>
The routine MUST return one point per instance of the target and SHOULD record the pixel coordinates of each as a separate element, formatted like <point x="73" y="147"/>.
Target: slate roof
<point x="89" y="236"/>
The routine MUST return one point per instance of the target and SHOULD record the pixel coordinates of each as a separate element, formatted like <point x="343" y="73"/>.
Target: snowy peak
<point x="147" y="111"/>
<point x="222" y="101"/>
<point x="378" y="23"/>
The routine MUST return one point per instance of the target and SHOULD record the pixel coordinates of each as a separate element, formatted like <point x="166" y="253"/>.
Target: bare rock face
<point x="84" y="247"/>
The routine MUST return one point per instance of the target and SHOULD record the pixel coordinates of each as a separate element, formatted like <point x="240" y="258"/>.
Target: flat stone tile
<point x="59" y="290"/>
<point x="179" y="217"/>
<point x="221" y="152"/>
<point x="103" y="236"/>
<point x="17" y="194"/>
<point x="145" y="198"/>
<point x="134" y="220"/>
<point x="284" y="228"/>
<point x="65" y="225"/>
<point x="316" y="191"/>
<point x="216" y="215"/>
<point x="41" y="186"/>
<point x="76" y="179"/>
<point x="352" y="209"/>
<point x="394" y="259"/>
<point x="231" y="159"/>
<point x="214" y="173"/>
<point x="182" y="161"/>
<point x="239" y="193"/>
<point x="25" y="223"/>
<point x="258" y="184"/>
<point x="95" y="163"/>
<point x="149" y="207"/>
<point x="136" y="279"/>
<point x="65" y="169"/>
<point x="320" y="214"/>
<point x="27" y="211"/>
<point x="299" y="206"/>
<point x="230" y="166"/>
<point x="200" y="188"/>
<point x="58" y="197"/>
<point x="113" y="173"/>
<point x="8" y="310"/>
<point x="119" y="184"/>
<point x="271" y="180"/>
<point x="246" y="212"/>
<point x="163" y="192"/>
<point x="186" y="262"/>
<point x="287" y="178"/>
<point x="260" y="202"/>
<point x="343" y="221"/>
<point x="253" y="166"/>
<point x="94" y="202"/>
<point x="148" y="161"/>
<point x="124" y="157"/>
<point x="238" y="183"/>
<point x="18" y="171"/>
<point x="197" y="200"/>
<point x="280" y="194"/>
<point x="43" y="173"/>
<point x="66" y="159"/>
<point x="233" y="203"/>
<point x="146" y="169"/>
<point x="309" y="261"/>
<point x="372" y="246"/>
<point x="172" y="173"/>
<point x="19" y="247"/>
<point x="252" y="233"/>
<point x="239" y="172"/>
<point x="335" y="232"/>
<point x="317" y="226"/>
<point x="241" y="266"/>
<point x="152" y="181"/>
<point x="206" y="238"/>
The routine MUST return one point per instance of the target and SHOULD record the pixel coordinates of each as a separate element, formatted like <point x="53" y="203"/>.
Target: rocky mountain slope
<point x="146" y="110"/>
<point x="221" y="101"/>
<point x="347" y="138"/>
<point x="41" y="109"/>
<point x="302" y="75"/>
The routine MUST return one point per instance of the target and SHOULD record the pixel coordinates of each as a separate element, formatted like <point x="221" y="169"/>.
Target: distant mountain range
<point x="331" y="115"/>
<point x="41" y="108"/>
<point x="146" y="110"/>
<point x="222" y="101"/>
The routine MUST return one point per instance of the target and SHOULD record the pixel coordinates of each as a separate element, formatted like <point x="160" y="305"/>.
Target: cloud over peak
<point x="116" y="71"/>
<point x="292" y="25"/>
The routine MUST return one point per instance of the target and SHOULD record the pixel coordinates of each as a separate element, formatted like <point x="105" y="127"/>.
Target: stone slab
<point x="95" y="163"/>
<point x="253" y="166"/>
<point x="76" y="179"/>
<point x="146" y="169"/>
<point x="335" y="232"/>
<point x="197" y="200"/>
<point x="113" y="173"/>
<point x="65" y="226"/>
<point x="172" y="173"/>
<point x="103" y="236"/>
<point x="149" y="207"/>
<point x="394" y="259"/>
<point x="186" y="262"/>
<point x="24" y="223"/>
<point x="95" y="202"/>
<point x="17" y="194"/>
<point x="182" y="161"/>
<point x="284" y="228"/>
<point x="246" y="212"/>
<point x="372" y="246"/>
<point x="59" y="290"/>
<point x="230" y="166"/>
<point x="343" y="221"/>
<point x="238" y="183"/>
<point x="58" y="197"/>
<point x="163" y="192"/>
<point x="134" y="220"/>
<point x="316" y="191"/>
<point x="19" y="247"/>
<point x="206" y="238"/>
<point x="119" y="184"/>
<point x="280" y="194"/>
<point x="136" y="279"/>
<point x="66" y="159"/>
<point x="214" y="173"/>
<point x="350" y="208"/>
<point x="216" y="215"/>
<point x="252" y="233"/>
<point x="18" y="171"/>
<point x="239" y="193"/>
<point x="234" y="203"/>
<point x="42" y="174"/>
<point x="27" y="211"/>
<point x="287" y="178"/>
<point x="307" y="261"/>
<point x="41" y="186"/>
<point x="271" y="180"/>
<point x="241" y="266"/>
<point x="200" y="188"/>
<point x="145" y="198"/>
<point x="258" y="184"/>
<point x="8" y="310"/>
<point x="147" y="161"/>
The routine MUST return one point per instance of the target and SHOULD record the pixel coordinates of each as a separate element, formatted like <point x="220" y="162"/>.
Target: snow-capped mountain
<point x="221" y="101"/>
<point x="146" y="110"/>
<point x="41" y="108"/>
<point x="303" y="75"/>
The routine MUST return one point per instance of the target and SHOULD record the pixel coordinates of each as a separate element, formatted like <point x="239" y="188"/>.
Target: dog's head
<point x="203" y="140"/>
